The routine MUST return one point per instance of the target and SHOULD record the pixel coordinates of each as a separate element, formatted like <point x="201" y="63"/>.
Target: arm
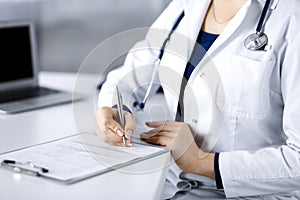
<point x="266" y="171"/>
<point x="133" y="79"/>
<point x="137" y="69"/>
<point x="273" y="169"/>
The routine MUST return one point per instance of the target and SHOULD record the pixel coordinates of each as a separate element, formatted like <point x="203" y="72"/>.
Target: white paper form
<point x="81" y="156"/>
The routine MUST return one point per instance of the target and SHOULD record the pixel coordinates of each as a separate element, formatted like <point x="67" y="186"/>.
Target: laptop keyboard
<point x="24" y="93"/>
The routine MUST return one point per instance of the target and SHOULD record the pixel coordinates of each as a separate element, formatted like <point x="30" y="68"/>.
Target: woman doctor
<point x="257" y="151"/>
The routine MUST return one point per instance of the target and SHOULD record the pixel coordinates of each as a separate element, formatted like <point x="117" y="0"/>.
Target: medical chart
<point x="81" y="156"/>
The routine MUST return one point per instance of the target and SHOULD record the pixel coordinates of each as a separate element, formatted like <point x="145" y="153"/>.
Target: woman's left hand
<point x="178" y="137"/>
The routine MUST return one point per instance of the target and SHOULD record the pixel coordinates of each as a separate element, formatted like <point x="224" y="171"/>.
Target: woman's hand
<point x="110" y="130"/>
<point x="178" y="137"/>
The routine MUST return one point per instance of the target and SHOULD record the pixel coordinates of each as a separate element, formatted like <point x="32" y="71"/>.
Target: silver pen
<point x="121" y="114"/>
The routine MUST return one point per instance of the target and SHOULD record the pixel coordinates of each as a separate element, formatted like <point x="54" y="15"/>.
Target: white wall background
<point x="67" y="30"/>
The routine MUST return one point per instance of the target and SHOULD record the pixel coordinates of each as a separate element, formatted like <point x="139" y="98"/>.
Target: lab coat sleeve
<point x="273" y="169"/>
<point x="138" y="66"/>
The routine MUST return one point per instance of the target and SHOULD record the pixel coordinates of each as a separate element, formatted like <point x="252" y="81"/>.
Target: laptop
<point x="19" y="87"/>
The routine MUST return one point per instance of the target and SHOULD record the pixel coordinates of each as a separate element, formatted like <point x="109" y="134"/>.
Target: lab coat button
<point x="195" y="121"/>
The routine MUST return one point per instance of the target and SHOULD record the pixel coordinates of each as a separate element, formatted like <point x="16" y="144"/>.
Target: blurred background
<point x="67" y="30"/>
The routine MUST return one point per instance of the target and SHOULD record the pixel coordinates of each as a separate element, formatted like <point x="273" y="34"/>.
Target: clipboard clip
<point x="24" y="167"/>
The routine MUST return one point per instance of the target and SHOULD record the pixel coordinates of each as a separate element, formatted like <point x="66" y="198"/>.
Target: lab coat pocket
<point x="250" y="87"/>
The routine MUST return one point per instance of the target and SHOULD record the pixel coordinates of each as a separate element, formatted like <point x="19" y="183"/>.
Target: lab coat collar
<point x="273" y="3"/>
<point x="195" y="12"/>
<point x="262" y="1"/>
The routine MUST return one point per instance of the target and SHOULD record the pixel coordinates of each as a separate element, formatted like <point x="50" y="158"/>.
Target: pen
<point x="121" y="114"/>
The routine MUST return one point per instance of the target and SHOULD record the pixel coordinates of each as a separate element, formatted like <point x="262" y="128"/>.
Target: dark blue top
<point x="204" y="41"/>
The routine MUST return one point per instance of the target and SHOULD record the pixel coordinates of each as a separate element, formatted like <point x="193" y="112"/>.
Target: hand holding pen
<point x="115" y="126"/>
<point x="121" y="114"/>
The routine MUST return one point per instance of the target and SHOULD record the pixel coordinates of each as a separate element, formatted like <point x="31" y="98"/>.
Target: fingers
<point x="163" y="133"/>
<point x="108" y="123"/>
<point x="130" y="125"/>
<point x="160" y="127"/>
<point x="114" y="139"/>
<point x="152" y="132"/>
<point x="159" y="140"/>
<point x="110" y="130"/>
<point x="157" y="136"/>
<point x="166" y="124"/>
<point x="155" y="124"/>
<point x="115" y="127"/>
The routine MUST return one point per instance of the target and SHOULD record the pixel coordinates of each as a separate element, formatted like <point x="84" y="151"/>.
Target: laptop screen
<point x="15" y="53"/>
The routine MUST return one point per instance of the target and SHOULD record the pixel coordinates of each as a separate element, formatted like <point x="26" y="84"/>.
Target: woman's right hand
<point x="110" y="131"/>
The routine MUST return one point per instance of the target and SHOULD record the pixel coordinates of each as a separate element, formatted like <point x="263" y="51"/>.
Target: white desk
<point x="29" y="128"/>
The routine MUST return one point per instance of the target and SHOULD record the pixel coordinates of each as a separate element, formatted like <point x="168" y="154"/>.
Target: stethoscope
<point x="255" y="41"/>
<point x="156" y="64"/>
<point x="258" y="40"/>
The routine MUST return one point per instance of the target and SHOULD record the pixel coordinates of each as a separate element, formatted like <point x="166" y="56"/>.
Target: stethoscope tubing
<point x="157" y="63"/>
<point x="259" y="33"/>
<point x="263" y="17"/>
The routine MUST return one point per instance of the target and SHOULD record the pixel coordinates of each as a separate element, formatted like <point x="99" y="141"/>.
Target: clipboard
<point x="75" y="158"/>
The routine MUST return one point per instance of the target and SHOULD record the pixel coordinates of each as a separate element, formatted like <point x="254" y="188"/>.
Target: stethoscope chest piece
<point x="256" y="41"/>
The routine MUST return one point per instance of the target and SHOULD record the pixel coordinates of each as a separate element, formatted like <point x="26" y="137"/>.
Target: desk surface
<point x="29" y="128"/>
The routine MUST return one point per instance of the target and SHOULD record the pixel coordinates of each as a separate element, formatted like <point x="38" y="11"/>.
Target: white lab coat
<point x="241" y="103"/>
